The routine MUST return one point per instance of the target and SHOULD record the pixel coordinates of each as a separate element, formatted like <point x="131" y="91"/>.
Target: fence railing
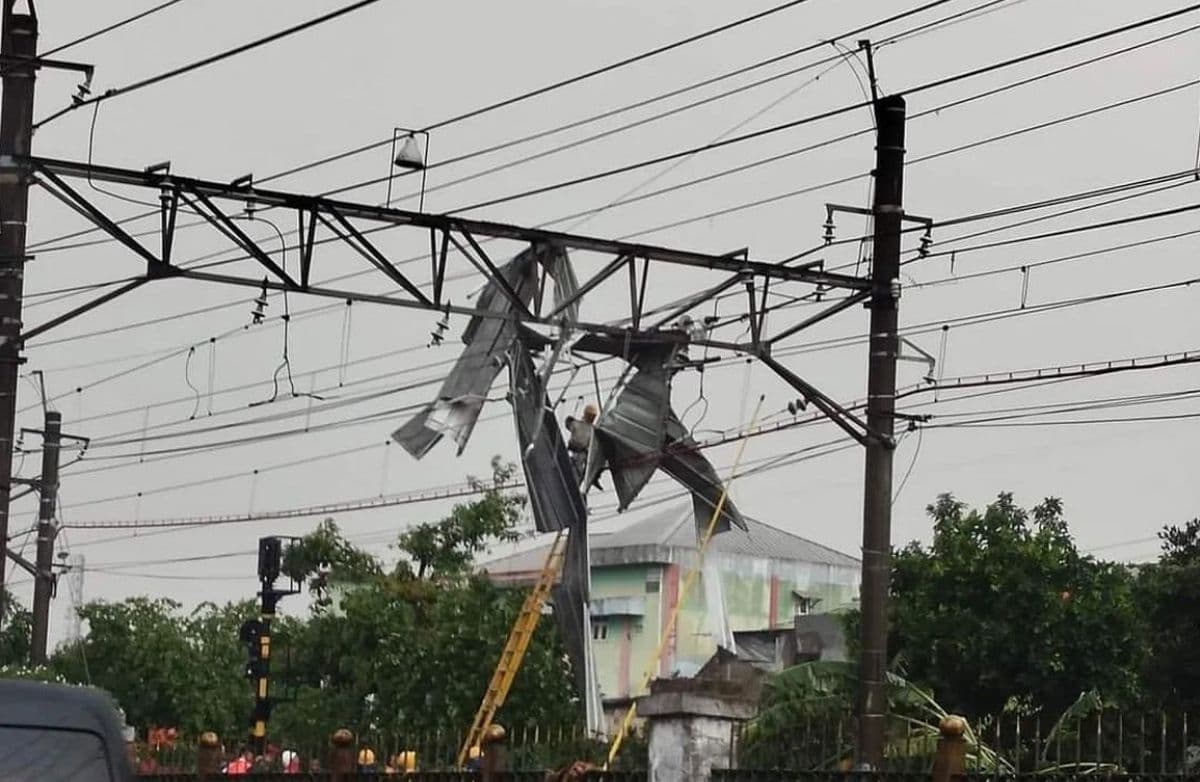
<point x="418" y="776"/>
<point x="527" y="747"/>
<point x="1102" y="742"/>
<point x="1106" y="744"/>
<point x="780" y="775"/>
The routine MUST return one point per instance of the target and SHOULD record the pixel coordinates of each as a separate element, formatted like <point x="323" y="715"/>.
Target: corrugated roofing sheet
<point x="674" y="528"/>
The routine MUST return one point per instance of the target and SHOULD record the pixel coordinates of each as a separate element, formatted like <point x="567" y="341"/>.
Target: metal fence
<point x="419" y="776"/>
<point x="1110" y="742"/>
<point x="779" y="775"/>
<point x="529" y="747"/>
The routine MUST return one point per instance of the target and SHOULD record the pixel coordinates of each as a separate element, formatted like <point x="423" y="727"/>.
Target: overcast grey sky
<point x="351" y="81"/>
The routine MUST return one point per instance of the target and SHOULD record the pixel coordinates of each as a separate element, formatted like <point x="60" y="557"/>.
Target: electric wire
<point x="210" y="60"/>
<point x="1049" y="374"/>
<point x="567" y="82"/>
<point x="931" y="111"/>
<point x="771" y="199"/>
<point x="110" y="28"/>
<point x="576" y="79"/>
<point x="924" y="28"/>
<point x="540" y="134"/>
<point x="765" y="464"/>
<point x="937" y="324"/>
<point x="811" y="118"/>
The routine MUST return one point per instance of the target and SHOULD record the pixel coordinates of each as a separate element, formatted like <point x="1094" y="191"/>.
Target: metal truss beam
<point x="334" y="293"/>
<point x="810" y="273"/>
<point x="85" y="308"/>
<point x="848" y="421"/>
<point x="353" y="237"/>
<point x="608" y="271"/>
<point x="204" y="207"/>
<point x="828" y="312"/>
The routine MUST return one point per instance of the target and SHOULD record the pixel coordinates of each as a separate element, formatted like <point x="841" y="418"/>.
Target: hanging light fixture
<point x="410" y="155"/>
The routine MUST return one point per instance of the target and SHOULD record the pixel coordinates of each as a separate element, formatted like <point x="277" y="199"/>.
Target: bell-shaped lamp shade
<point x="410" y="154"/>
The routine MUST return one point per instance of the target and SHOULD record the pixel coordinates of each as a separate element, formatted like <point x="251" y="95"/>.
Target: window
<point x="36" y="754"/>
<point x="804" y="605"/>
<point x="653" y="584"/>
<point x="599" y="631"/>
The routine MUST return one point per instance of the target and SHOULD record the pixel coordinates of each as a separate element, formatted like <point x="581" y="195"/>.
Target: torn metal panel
<point x="632" y="344"/>
<point x="566" y="284"/>
<point x="683" y="461"/>
<point x="462" y="396"/>
<point x="416" y="435"/>
<point x="549" y="474"/>
<point x="632" y="430"/>
<point x="570" y="598"/>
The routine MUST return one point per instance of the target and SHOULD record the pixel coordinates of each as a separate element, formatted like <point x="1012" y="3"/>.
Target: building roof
<point x="667" y="536"/>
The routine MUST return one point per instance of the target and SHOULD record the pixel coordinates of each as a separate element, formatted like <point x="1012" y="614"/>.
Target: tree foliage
<point x="16" y="630"/>
<point x="446" y="549"/>
<point x="1168" y="594"/>
<point x="1003" y="608"/>
<point x="411" y="649"/>
<point x="385" y="651"/>
<point x="164" y="666"/>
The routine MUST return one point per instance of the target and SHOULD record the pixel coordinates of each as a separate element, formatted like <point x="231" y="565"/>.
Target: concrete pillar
<point x="950" y="761"/>
<point x="690" y="730"/>
<point x="208" y="763"/>
<point x="342" y="758"/>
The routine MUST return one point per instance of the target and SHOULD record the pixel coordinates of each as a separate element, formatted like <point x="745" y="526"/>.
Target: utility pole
<point x="18" y="49"/>
<point x="45" y="580"/>
<point x="884" y="303"/>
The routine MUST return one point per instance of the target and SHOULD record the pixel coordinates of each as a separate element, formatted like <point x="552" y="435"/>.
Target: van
<point x="53" y="732"/>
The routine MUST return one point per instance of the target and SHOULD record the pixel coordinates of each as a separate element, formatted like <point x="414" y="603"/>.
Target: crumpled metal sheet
<point x="683" y="461"/>
<point x="570" y="599"/>
<point x="632" y="430"/>
<point x="640" y="433"/>
<point x="549" y="475"/>
<point x="460" y="400"/>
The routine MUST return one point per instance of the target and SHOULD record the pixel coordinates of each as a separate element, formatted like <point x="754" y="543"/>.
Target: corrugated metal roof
<point x="673" y="528"/>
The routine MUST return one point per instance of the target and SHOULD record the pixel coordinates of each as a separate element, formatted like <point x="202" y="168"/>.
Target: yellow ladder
<point x="515" y="647"/>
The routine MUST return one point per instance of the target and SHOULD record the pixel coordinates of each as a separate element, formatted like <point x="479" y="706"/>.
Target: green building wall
<point x="625" y="645"/>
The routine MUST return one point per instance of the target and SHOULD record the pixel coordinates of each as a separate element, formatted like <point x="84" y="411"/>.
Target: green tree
<point x="163" y="665"/>
<point x="411" y="649"/>
<point x="1169" y="598"/>
<point x="16" y="630"/>
<point x="447" y="549"/>
<point x="1002" y="607"/>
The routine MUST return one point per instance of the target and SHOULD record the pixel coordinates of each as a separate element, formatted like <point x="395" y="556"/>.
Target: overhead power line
<point x="1040" y="375"/>
<point x="110" y="28"/>
<point x="435" y="364"/>
<point x="772" y="199"/>
<point x="210" y="60"/>
<point x="1138" y="218"/>
<point x="574" y="124"/>
<point x="789" y="194"/>
<point x="611" y="67"/>
<point x="963" y="75"/>
<point x="991" y="424"/>
<point x="369" y="503"/>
